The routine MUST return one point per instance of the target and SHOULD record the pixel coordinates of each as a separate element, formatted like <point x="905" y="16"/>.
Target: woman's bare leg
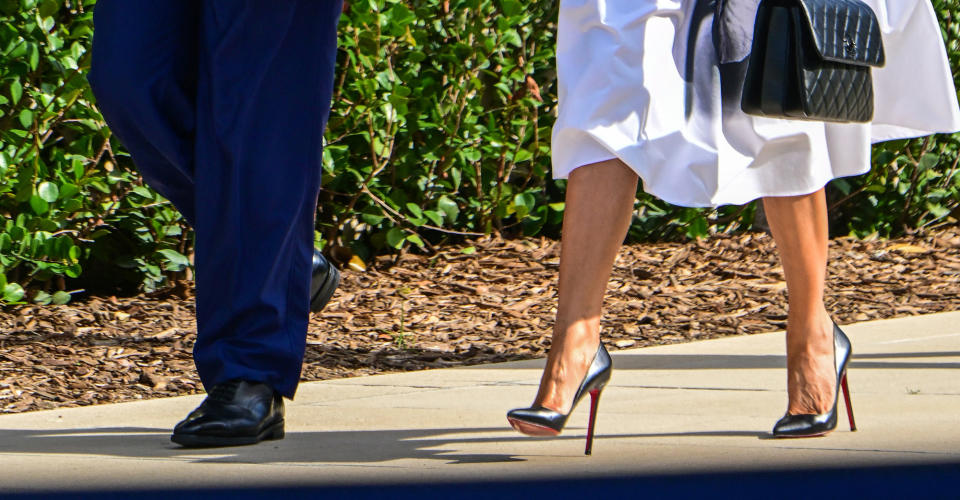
<point x="799" y="227"/>
<point x="599" y="206"/>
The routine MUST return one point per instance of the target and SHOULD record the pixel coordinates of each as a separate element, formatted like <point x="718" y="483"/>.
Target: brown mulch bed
<point x="461" y="308"/>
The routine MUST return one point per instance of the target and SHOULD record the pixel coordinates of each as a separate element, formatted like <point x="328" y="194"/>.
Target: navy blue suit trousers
<point x="222" y="104"/>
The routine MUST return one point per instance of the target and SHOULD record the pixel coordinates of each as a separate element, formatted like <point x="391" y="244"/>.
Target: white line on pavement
<point x="917" y="339"/>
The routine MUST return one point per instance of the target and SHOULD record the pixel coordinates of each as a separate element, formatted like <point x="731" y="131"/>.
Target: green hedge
<point x="440" y="130"/>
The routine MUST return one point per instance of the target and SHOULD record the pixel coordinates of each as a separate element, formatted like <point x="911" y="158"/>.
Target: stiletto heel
<point x="846" y="399"/>
<point x="540" y="421"/>
<point x="810" y="425"/>
<point x="594" y="401"/>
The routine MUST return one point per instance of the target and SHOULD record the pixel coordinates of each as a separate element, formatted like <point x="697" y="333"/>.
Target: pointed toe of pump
<point x="537" y="421"/>
<point x="811" y="425"/>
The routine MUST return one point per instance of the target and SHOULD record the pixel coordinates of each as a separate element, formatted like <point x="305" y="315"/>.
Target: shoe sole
<point x="540" y="429"/>
<point x="800" y="436"/>
<point x="273" y="432"/>
<point x="323" y="295"/>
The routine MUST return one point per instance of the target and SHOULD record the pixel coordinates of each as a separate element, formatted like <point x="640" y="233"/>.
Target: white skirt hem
<point x="627" y="92"/>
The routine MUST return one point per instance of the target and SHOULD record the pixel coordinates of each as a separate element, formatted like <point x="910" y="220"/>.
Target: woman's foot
<point x="540" y="421"/>
<point x="811" y="368"/>
<point x="571" y="353"/>
<point x="599" y="208"/>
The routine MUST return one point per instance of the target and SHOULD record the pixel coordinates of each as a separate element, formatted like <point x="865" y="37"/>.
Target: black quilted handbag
<point x="811" y="60"/>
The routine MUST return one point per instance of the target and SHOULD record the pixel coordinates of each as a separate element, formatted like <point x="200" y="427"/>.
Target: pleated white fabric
<point x="623" y="88"/>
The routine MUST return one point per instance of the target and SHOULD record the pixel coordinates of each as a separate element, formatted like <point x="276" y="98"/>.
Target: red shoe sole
<point x="532" y="429"/>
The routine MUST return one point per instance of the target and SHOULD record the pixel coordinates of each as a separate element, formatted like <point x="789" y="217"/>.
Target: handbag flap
<point x="845" y="31"/>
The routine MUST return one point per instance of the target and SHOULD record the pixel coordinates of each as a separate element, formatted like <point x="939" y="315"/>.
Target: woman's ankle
<point x="809" y="332"/>
<point x="572" y="349"/>
<point x="576" y="333"/>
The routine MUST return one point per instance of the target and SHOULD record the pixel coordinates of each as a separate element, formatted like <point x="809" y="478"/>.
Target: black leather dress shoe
<point x="324" y="282"/>
<point x="235" y="413"/>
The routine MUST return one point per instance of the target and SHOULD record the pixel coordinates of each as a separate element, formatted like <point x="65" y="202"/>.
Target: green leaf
<point x="434" y="216"/>
<point x="68" y="191"/>
<point x="510" y="7"/>
<point x="142" y="191"/>
<point x="938" y="210"/>
<point x="456" y="177"/>
<point x="34" y="56"/>
<point x="372" y="219"/>
<point x="78" y="169"/>
<point x="20" y="49"/>
<point x="471" y="155"/>
<point x="16" y="91"/>
<point x="522" y="156"/>
<point x="415" y="210"/>
<point x="175" y="261"/>
<point x="396" y="237"/>
<point x="39" y="205"/>
<point x="843" y="185"/>
<point x="46" y="23"/>
<point x="42" y="298"/>
<point x="60" y="298"/>
<point x="26" y="118"/>
<point x="12" y="292"/>
<point x="413" y="238"/>
<point x="24" y="184"/>
<point x="523" y="204"/>
<point x="400" y="16"/>
<point x="73" y="271"/>
<point x="449" y="208"/>
<point x="48" y="8"/>
<point x="72" y="205"/>
<point x="526" y="200"/>
<point x="48" y="191"/>
<point x="469" y="250"/>
<point x="513" y="38"/>
<point x="417" y="221"/>
<point x="100" y="186"/>
<point x="698" y="228"/>
<point x="928" y="161"/>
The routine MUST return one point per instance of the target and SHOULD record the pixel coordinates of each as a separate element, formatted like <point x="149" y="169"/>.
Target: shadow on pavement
<point x="334" y="446"/>
<point x="759" y="361"/>
<point x="298" y="447"/>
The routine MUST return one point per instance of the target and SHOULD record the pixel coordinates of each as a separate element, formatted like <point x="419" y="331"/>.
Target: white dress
<point x="623" y="93"/>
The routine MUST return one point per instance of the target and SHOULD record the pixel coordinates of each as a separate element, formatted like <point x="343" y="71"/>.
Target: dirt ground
<point x="493" y="303"/>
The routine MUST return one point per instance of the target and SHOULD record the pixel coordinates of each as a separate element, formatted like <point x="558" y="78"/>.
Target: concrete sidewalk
<point x="702" y="406"/>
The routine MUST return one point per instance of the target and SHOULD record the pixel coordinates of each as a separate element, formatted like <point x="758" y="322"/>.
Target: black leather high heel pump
<point x="552" y="422"/>
<point x="810" y="425"/>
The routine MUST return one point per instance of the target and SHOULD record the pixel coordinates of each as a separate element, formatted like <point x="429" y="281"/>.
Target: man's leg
<point x="217" y="85"/>
<point x="144" y="75"/>
<point x="265" y="84"/>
